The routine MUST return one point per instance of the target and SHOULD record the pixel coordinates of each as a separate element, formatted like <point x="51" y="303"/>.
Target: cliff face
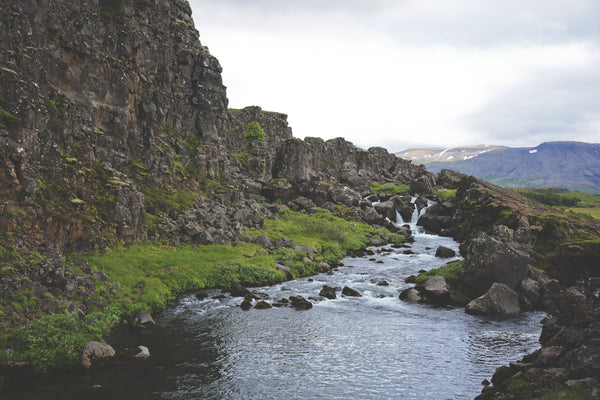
<point x="114" y="126"/>
<point x="94" y="90"/>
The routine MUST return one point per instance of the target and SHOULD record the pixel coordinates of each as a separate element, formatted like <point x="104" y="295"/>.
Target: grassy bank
<point x="146" y="275"/>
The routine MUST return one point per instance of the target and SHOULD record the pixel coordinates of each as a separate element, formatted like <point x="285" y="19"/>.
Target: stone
<point x="238" y="290"/>
<point x="347" y="291"/>
<point x="410" y="295"/>
<point x="300" y="303"/>
<point x="246" y="304"/>
<point x="436" y="289"/>
<point x="529" y="292"/>
<point x="323" y="267"/>
<point x="142" y="319"/>
<point x="96" y="355"/>
<point x="498" y="300"/>
<point x="328" y="292"/>
<point x="490" y="260"/>
<point x="444" y="252"/>
<point x="143" y="353"/>
<point x="262" y="305"/>
<point x="263" y="240"/>
<point x="286" y="271"/>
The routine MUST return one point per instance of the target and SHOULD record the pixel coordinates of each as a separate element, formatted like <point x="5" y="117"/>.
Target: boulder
<point x="263" y="240"/>
<point x="143" y="353"/>
<point x="410" y="295"/>
<point x="444" y="252"/>
<point x="498" y="300"/>
<point x="529" y="293"/>
<point x="238" y="290"/>
<point x="489" y="260"/>
<point x="300" y="302"/>
<point x="142" y="319"/>
<point x="323" y="267"/>
<point x="97" y="354"/>
<point x="246" y="304"/>
<point x="435" y="288"/>
<point x="286" y="271"/>
<point x="262" y="305"/>
<point x="347" y="291"/>
<point x="328" y="292"/>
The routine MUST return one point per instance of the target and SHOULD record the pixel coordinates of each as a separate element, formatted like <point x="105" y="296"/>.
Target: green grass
<point x="389" y="188"/>
<point x="446" y="192"/>
<point x="569" y="201"/>
<point x="146" y="275"/>
<point x="327" y="234"/>
<point x="449" y="271"/>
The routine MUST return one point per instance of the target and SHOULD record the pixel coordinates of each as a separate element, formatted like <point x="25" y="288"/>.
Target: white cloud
<point x="401" y="74"/>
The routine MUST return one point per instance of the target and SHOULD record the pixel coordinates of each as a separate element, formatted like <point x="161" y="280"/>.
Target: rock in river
<point x="346" y="291"/>
<point x="97" y="354"/>
<point x="300" y="302"/>
<point x="498" y="300"/>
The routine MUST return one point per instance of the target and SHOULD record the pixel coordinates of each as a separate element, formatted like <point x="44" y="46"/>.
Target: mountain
<point x="572" y="165"/>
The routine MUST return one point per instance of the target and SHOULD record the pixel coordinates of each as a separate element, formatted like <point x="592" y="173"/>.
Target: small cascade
<point x="415" y="215"/>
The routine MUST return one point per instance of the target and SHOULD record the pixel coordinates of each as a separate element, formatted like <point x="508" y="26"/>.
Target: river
<point x="369" y="347"/>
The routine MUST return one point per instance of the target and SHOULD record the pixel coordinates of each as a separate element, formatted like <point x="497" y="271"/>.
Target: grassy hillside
<point x="569" y="201"/>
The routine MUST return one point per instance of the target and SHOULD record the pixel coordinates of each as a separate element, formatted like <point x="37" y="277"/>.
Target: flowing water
<point x="369" y="347"/>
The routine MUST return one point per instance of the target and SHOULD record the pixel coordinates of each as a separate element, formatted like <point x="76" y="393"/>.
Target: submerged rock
<point x="142" y="319"/>
<point x="498" y="300"/>
<point x="143" y="353"/>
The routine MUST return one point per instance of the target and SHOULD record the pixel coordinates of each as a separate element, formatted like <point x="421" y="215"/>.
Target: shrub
<point x="254" y="132"/>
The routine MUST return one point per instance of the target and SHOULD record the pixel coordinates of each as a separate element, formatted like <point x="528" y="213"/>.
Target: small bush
<point x="254" y="132"/>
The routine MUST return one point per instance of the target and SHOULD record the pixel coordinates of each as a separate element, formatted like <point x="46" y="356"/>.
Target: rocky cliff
<point x="541" y="259"/>
<point x="114" y="127"/>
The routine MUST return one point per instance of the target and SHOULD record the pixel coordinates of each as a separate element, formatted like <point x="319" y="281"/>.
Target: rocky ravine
<point x="114" y="127"/>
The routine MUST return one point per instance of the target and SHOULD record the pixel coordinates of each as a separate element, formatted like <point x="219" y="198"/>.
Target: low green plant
<point x="8" y="120"/>
<point x="254" y="131"/>
<point x="449" y="271"/>
<point x="563" y="394"/>
<point x="446" y="192"/>
<point x="389" y="188"/>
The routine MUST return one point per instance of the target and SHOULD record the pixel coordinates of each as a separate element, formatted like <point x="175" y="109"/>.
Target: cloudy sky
<point x="411" y="73"/>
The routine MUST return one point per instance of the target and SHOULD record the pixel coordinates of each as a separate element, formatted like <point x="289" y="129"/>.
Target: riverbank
<point x="146" y="275"/>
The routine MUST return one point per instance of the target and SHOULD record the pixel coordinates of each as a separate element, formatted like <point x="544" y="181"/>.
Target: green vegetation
<point x="56" y="341"/>
<point x="449" y="271"/>
<point x="551" y="199"/>
<point x="168" y="200"/>
<point x="7" y="120"/>
<point x="389" y="188"/>
<point x="569" y="201"/>
<point x="254" y="132"/>
<point x="50" y="105"/>
<point x="563" y="394"/>
<point x="446" y="192"/>
<point x="146" y="275"/>
<point x="515" y="384"/>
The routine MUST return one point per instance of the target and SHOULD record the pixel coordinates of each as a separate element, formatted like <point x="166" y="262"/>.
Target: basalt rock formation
<point x="550" y="261"/>
<point x="114" y="127"/>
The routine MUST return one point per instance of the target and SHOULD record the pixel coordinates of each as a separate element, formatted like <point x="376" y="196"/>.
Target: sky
<point x="413" y="73"/>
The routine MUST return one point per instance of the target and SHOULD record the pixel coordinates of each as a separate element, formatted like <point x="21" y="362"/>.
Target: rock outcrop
<point x="498" y="300"/>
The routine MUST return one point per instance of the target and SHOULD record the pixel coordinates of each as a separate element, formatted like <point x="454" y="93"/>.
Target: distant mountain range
<point x="572" y="165"/>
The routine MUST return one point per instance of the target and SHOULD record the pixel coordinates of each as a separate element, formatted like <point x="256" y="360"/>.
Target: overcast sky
<point x="411" y="73"/>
